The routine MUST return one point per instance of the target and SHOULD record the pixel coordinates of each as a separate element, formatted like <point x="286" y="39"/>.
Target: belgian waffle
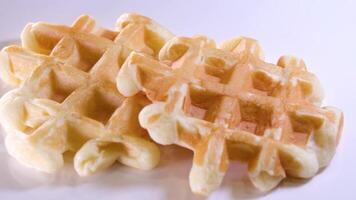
<point x="67" y="99"/>
<point x="228" y="104"/>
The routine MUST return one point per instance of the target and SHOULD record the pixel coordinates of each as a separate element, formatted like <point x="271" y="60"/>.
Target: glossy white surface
<point x="321" y="32"/>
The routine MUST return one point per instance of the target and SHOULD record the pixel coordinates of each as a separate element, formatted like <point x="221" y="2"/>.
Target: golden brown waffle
<point x="68" y="100"/>
<point x="228" y="104"/>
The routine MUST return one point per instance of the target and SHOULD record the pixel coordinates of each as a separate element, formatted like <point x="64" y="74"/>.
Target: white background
<point x="321" y="32"/>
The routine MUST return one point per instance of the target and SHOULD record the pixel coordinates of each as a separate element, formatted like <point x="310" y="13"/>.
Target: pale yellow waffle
<point x="68" y="101"/>
<point x="228" y="104"/>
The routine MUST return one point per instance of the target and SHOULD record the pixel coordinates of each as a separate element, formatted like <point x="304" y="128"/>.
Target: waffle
<point x="67" y="100"/>
<point x="228" y="104"/>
